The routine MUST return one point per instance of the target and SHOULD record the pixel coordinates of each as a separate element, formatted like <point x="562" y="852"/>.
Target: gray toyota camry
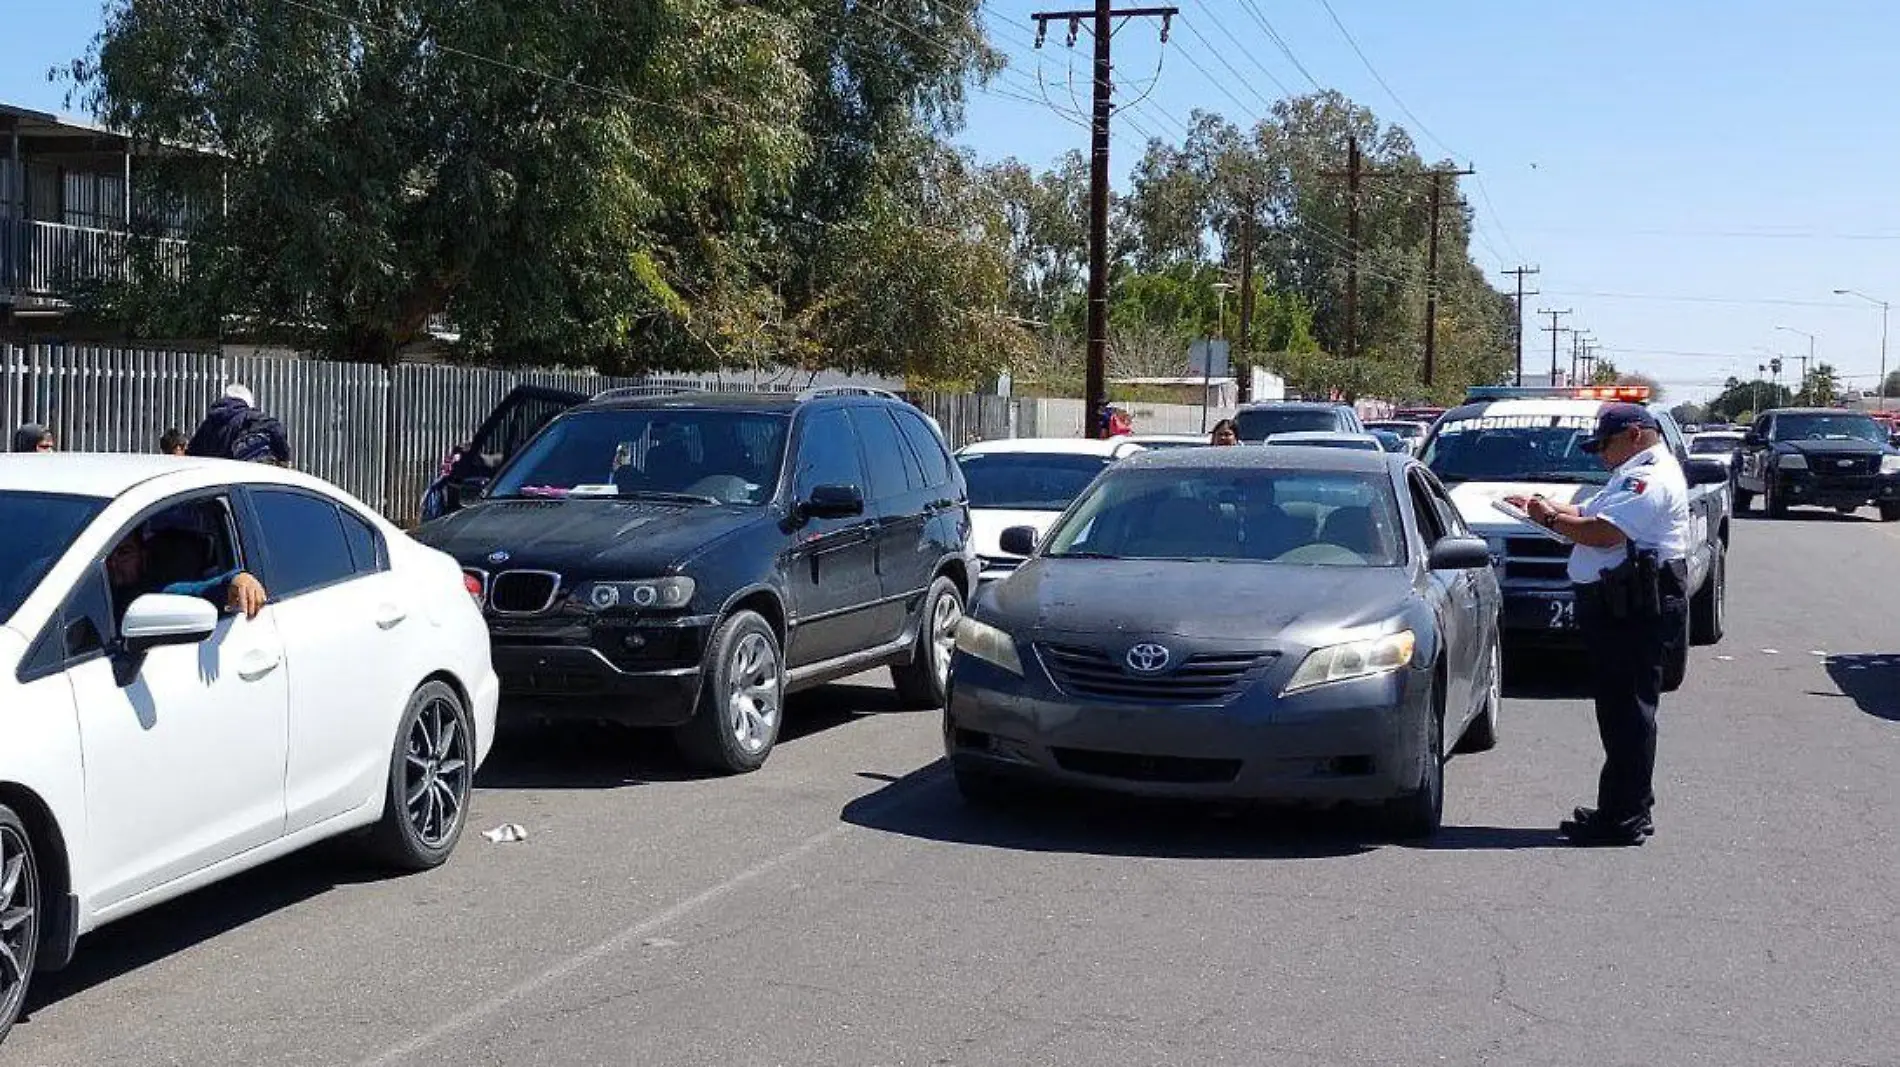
<point x="1288" y="624"/>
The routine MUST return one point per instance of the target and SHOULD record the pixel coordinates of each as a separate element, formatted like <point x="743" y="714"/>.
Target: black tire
<point x="20" y="908"/>
<point x="924" y="682"/>
<point x="1482" y="734"/>
<point x="1416" y="814"/>
<point x="982" y="789"/>
<point x="431" y="774"/>
<point x="1743" y="500"/>
<point x="741" y="699"/>
<point x="1772" y="501"/>
<point x="1708" y="609"/>
<point x="1890" y="513"/>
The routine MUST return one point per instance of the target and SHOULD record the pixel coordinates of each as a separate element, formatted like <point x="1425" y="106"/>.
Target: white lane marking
<point x="1816" y="652"/>
<point x="1725" y="659"/>
<point x="1771" y="652"/>
<point x="626" y="939"/>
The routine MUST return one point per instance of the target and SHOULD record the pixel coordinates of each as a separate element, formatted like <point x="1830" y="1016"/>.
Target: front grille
<point x="1206" y="678"/>
<point x="1180" y="770"/>
<point x="1838" y="466"/>
<point x="523" y="592"/>
<point x="1536" y="559"/>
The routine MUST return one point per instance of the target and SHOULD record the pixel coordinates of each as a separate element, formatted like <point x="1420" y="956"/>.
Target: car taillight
<point x="473" y="584"/>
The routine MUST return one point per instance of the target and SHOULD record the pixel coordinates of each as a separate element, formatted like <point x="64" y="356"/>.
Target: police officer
<point x="1628" y="570"/>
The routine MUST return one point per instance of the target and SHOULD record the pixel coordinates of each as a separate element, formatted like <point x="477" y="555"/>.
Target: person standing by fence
<point x="173" y="442"/>
<point x="33" y="437"/>
<point x="235" y="428"/>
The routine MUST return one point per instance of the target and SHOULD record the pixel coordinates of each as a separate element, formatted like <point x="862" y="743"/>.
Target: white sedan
<point x="153" y="741"/>
<point x="1028" y="481"/>
<point x="1364" y="442"/>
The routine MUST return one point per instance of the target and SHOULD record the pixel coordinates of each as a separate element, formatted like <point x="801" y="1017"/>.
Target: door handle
<point x="389" y="617"/>
<point x="257" y="664"/>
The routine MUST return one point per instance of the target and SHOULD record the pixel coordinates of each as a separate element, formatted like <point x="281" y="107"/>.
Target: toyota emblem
<point x="1148" y="658"/>
<point x="499" y="555"/>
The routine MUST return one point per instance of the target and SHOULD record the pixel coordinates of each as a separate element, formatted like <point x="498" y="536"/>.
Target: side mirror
<point x="833" y="502"/>
<point x="1706" y="472"/>
<point x="155" y="620"/>
<point x="1459" y="554"/>
<point x="1018" y="541"/>
<point x="1752" y="439"/>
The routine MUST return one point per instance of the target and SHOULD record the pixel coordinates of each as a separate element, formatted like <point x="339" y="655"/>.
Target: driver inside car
<point x="156" y="562"/>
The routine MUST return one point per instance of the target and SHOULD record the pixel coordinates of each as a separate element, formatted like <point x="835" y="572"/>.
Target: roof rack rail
<point x="624" y="392"/>
<point x="849" y="390"/>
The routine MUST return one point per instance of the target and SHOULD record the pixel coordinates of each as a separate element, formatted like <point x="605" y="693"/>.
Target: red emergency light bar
<point x="1629" y="394"/>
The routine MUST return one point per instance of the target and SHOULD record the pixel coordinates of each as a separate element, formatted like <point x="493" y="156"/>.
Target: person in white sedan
<point x="149" y="562"/>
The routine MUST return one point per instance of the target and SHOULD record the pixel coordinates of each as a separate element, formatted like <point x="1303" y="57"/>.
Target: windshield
<point x="35" y="530"/>
<point x="1258" y="424"/>
<point x="715" y="457"/>
<point x="1321" y="518"/>
<point x="1707" y="446"/>
<point x="1515" y="448"/>
<point x="1403" y="429"/>
<point x="1828" y="428"/>
<point x="1028" y="481"/>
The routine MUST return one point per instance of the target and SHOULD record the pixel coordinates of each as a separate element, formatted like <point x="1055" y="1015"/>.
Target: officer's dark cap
<point x="1613" y="420"/>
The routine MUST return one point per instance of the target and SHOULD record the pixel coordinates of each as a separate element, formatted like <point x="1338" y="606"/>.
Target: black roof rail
<point x="625" y="392"/>
<point x="849" y="390"/>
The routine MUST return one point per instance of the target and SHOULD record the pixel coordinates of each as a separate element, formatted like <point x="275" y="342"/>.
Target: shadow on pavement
<point x="579" y="754"/>
<point x="1871" y="680"/>
<point x="1755" y="514"/>
<point x="134" y="942"/>
<point x="925" y="805"/>
<point x="1543" y="674"/>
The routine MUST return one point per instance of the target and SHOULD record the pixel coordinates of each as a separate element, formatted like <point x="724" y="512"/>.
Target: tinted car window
<point x="1028" y="481"/>
<point x="1257" y="424"/>
<point x="1317" y="518"/>
<point x="827" y="454"/>
<point x="883" y="454"/>
<point x="724" y="457"/>
<point x="1818" y="427"/>
<point x="35" y="530"/>
<point x="305" y="539"/>
<point x="1714" y="446"/>
<point x="366" y="548"/>
<point x="929" y="450"/>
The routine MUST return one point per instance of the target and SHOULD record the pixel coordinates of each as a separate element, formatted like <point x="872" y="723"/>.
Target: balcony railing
<point x="48" y="260"/>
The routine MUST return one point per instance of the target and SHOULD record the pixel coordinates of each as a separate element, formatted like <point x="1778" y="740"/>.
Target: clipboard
<point x="1507" y="508"/>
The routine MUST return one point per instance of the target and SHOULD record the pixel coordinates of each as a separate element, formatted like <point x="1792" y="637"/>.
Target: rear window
<point x="1028" y="481"/>
<point x="1258" y="424"/>
<point x="35" y="530"/>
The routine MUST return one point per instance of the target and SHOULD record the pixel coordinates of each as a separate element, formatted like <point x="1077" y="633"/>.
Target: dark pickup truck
<point x="1819" y="457"/>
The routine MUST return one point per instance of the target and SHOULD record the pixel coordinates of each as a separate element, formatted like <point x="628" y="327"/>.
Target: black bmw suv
<point x="687" y="560"/>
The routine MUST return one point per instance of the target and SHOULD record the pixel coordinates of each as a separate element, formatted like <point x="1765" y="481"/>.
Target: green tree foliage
<point x="656" y="182"/>
<point x="1688" y="413"/>
<point x="1739" y="398"/>
<point x="1820" y="388"/>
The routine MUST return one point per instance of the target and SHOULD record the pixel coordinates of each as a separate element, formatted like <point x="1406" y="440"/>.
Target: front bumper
<point x="1541" y="615"/>
<point x="630" y="671"/>
<point x="1360" y="741"/>
<point x="1811" y="487"/>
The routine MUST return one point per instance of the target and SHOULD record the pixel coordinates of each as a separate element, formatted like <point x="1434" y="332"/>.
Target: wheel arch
<point x="765" y="602"/>
<point x="55" y="861"/>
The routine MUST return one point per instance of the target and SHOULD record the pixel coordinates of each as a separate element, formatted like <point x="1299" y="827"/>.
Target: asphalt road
<point x="842" y="908"/>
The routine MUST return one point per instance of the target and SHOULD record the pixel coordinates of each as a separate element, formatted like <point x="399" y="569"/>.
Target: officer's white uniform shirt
<point x="1648" y="499"/>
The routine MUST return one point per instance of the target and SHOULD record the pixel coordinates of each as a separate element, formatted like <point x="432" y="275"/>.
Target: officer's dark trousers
<point x="1626" y="670"/>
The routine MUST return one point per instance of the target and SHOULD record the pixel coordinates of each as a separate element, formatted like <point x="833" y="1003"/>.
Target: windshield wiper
<point x="1084" y="554"/>
<point x="660" y="494"/>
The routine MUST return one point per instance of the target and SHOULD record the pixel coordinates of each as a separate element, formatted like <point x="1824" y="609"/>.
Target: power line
<point x="1261" y="67"/>
<point x="1280" y="42"/>
<point x="1380" y="78"/>
<point x="1664" y="298"/>
<point x="1191" y="28"/>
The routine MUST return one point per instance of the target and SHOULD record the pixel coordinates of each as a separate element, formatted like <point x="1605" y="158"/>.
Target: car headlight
<point x="1792" y="461"/>
<point x="989" y="644"/>
<point x="658" y="594"/>
<point x="1890" y="464"/>
<point x="1354" y="659"/>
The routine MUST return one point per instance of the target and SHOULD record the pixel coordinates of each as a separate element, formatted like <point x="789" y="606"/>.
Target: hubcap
<point x="752" y="693"/>
<point x="19" y="919"/>
<point x="1496" y="696"/>
<point x="943" y="630"/>
<point x="436" y="776"/>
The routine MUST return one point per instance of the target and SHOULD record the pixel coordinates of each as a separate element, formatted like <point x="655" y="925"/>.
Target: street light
<point x="1883" y="338"/>
<point x="1810" y="357"/>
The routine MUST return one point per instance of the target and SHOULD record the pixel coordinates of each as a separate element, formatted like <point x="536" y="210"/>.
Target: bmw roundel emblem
<point x="1148" y="658"/>
<point x="500" y="555"/>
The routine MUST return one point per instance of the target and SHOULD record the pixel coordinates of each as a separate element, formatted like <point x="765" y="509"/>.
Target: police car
<point x="1510" y="441"/>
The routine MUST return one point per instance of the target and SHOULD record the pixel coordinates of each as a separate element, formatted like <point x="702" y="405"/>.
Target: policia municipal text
<point x="1628" y="569"/>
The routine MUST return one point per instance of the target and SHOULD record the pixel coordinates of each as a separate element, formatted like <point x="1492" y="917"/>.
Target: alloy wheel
<point x="436" y="778"/>
<point x="19" y="920"/>
<point x="752" y="693"/>
<point x="943" y="630"/>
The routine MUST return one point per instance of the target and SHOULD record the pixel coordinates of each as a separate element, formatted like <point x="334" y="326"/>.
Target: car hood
<point x="585" y="538"/>
<point x="1246" y="603"/>
<point x="987" y="526"/>
<point x="1475" y="499"/>
<point x="1834" y="448"/>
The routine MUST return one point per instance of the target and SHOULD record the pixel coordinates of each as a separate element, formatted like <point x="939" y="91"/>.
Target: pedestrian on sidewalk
<point x="235" y="428"/>
<point x="173" y="442"/>
<point x="1629" y="573"/>
<point x="32" y="437"/>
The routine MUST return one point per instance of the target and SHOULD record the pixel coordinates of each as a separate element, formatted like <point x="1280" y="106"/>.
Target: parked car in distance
<point x="1409" y="431"/>
<point x="685" y="561"/>
<point x="1364" y="442"/>
<point x="1166" y="440"/>
<point x="1028" y="481"/>
<point x="1310" y="625"/>
<point x="152" y="743"/>
<point x="1257" y="422"/>
<point x="1723" y="446"/>
<point x="1823" y="457"/>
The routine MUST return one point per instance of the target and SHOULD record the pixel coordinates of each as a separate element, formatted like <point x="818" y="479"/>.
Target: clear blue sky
<point x="1689" y="174"/>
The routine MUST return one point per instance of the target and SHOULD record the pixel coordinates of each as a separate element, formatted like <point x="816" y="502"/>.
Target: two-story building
<point x="70" y="206"/>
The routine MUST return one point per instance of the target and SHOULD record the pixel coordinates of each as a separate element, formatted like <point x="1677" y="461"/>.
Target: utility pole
<point x="1353" y="163"/>
<point x="1520" y="270"/>
<point x="1553" y="330"/>
<point x="1243" y="381"/>
<point x="1103" y="17"/>
<point x="1431" y="272"/>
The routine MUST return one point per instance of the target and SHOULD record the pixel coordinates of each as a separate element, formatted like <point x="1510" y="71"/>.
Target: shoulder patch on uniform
<point x="1635" y="485"/>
